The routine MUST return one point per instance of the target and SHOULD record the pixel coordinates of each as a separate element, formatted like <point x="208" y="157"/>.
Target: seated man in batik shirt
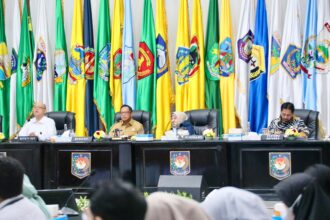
<point x="288" y="120"/>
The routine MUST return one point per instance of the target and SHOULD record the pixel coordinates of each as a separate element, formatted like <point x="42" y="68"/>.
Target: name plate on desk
<point x="26" y="139"/>
<point x="82" y="139"/>
<point x="271" y="137"/>
<point x="193" y="137"/>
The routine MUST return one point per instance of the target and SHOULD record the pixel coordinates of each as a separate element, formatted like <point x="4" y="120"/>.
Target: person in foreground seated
<point x="118" y="200"/>
<point x="306" y="195"/>
<point x="288" y="120"/>
<point x="40" y="125"/>
<point x="180" y="121"/>
<point x="230" y="203"/>
<point x="126" y="126"/>
<point x="13" y="205"/>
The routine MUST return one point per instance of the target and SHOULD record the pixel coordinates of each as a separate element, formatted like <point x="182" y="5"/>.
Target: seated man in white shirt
<point x="40" y="126"/>
<point x="13" y="205"/>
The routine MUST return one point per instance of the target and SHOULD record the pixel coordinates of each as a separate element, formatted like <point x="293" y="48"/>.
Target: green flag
<point x="212" y="62"/>
<point x="147" y="69"/>
<point x="5" y="70"/>
<point x="102" y="96"/>
<point x="24" y="80"/>
<point x="61" y="62"/>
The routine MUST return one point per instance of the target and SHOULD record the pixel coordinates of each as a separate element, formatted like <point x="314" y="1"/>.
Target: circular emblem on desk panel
<point x="280" y="165"/>
<point x="80" y="164"/>
<point x="179" y="163"/>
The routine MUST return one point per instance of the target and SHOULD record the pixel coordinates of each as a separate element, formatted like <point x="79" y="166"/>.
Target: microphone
<point x="69" y="211"/>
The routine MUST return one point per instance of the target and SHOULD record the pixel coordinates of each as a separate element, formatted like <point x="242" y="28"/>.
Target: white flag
<point x="243" y="55"/>
<point x="290" y="79"/>
<point x="16" y="30"/>
<point x="42" y="68"/>
<point x="275" y="43"/>
<point x="323" y="65"/>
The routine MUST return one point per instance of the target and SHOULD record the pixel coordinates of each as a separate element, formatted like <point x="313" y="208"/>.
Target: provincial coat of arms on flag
<point x="76" y="63"/>
<point x="182" y="65"/>
<point x="244" y="46"/>
<point x="104" y="62"/>
<point x="117" y="57"/>
<point x="323" y="50"/>
<point x="226" y="57"/>
<point x="89" y="63"/>
<point x="180" y="163"/>
<point x="146" y="61"/>
<point x="81" y="164"/>
<point x="161" y="56"/>
<point x="40" y="62"/>
<point x="280" y="165"/>
<point x="291" y="61"/>
<point x="275" y="54"/>
<point x="26" y="76"/>
<point x="257" y="62"/>
<point x="4" y="63"/>
<point x="195" y="57"/>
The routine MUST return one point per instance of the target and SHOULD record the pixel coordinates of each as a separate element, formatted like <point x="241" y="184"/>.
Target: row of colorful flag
<point x="249" y="81"/>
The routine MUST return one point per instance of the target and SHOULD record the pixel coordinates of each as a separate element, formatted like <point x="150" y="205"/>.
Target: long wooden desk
<point x="243" y="164"/>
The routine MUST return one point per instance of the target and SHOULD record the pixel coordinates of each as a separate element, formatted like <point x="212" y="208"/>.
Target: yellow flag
<point x="196" y="85"/>
<point x="116" y="54"/>
<point x="227" y="68"/>
<point x="76" y="83"/>
<point x="182" y="57"/>
<point x="164" y="95"/>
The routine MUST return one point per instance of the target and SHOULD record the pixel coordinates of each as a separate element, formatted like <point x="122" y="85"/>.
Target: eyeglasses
<point x="39" y="107"/>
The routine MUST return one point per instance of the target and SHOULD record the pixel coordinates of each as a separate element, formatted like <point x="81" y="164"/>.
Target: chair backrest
<point x="310" y="118"/>
<point x="141" y="116"/>
<point x="62" y="118"/>
<point x="203" y="119"/>
<point x="0" y="123"/>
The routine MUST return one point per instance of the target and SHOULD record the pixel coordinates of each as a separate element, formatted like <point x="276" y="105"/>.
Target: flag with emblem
<point x="128" y="60"/>
<point x="16" y="30"/>
<point x="196" y="84"/>
<point x="76" y="84"/>
<point x="227" y="67"/>
<point x="323" y="65"/>
<point x="5" y="72"/>
<point x="276" y="23"/>
<point x="102" y="96"/>
<point x="182" y="58"/>
<point x="42" y="66"/>
<point x="147" y="69"/>
<point x="308" y="56"/>
<point x="24" y="80"/>
<point x="116" y="54"/>
<point x="60" y="61"/>
<point x="258" y="103"/>
<point x="244" y="43"/>
<point x="212" y="62"/>
<point x="290" y="80"/>
<point x="164" y="91"/>
<point x="91" y="120"/>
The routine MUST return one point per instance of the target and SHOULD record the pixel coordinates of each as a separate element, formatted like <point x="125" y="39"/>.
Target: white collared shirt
<point x="44" y="128"/>
<point x="18" y="208"/>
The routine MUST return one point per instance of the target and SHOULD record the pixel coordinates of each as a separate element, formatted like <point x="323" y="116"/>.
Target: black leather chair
<point x="203" y="119"/>
<point x="311" y="119"/>
<point x="0" y="123"/>
<point x="141" y="116"/>
<point x="62" y="118"/>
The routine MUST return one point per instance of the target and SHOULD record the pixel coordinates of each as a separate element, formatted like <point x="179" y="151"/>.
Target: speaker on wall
<point x="192" y="184"/>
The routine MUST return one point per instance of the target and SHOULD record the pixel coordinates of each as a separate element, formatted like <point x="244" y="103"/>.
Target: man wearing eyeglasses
<point x="126" y="126"/>
<point x="40" y="125"/>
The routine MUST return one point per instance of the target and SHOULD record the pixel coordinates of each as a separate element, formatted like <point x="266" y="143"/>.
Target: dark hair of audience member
<point x="321" y="173"/>
<point x="11" y="177"/>
<point x="118" y="200"/>
<point x="288" y="105"/>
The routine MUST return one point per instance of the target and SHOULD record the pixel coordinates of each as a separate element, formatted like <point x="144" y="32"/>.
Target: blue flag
<point x="128" y="61"/>
<point x="258" y="103"/>
<point x="308" y="58"/>
<point x="91" y="120"/>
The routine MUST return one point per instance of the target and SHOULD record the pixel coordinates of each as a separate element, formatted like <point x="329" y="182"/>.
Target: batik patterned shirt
<point x="277" y="126"/>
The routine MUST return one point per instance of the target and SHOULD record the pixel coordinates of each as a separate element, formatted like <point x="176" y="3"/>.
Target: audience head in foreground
<point x="306" y="195"/>
<point x="229" y="203"/>
<point x="127" y="126"/>
<point x="116" y="200"/>
<point x="12" y="203"/>
<point x="288" y="120"/>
